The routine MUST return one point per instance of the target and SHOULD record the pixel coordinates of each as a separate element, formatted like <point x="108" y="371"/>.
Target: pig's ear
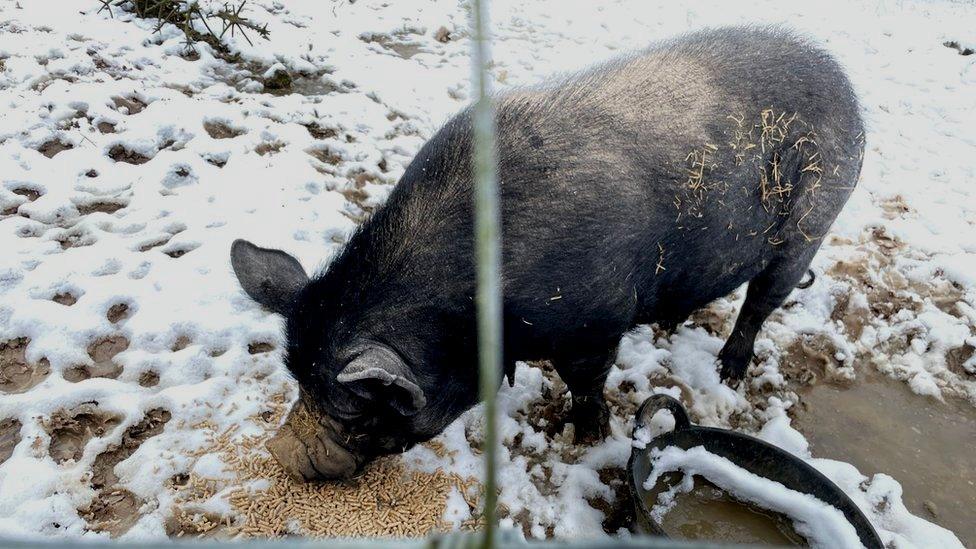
<point x="378" y="373"/>
<point x="270" y="277"/>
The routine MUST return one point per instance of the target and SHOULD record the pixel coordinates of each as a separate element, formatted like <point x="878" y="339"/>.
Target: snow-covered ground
<point x="127" y="167"/>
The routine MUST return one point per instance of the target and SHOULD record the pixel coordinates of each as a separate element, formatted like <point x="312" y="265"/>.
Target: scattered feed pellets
<point x="386" y="500"/>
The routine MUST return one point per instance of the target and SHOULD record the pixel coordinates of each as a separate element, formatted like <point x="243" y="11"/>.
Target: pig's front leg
<point x="585" y="378"/>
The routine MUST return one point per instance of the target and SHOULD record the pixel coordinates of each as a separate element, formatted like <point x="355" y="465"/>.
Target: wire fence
<point x="487" y="254"/>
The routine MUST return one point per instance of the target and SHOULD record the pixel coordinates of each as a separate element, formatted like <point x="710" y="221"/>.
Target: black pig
<point x="633" y="192"/>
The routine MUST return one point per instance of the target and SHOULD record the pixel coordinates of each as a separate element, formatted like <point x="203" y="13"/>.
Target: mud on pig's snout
<point x="305" y="448"/>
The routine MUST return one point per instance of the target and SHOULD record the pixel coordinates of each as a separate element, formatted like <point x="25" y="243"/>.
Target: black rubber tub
<point x="749" y="453"/>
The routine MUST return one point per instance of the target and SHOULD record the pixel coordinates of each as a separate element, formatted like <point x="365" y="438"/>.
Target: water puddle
<point x="880" y="426"/>
<point x="709" y="513"/>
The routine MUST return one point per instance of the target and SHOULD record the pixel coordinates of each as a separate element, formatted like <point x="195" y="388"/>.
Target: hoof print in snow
<point x="277" y="82"/>
<point x="71" y="430"/>
<point x="102" y="206"/>
<point x="102" y="353"/>
<point x="30" y="194"/>
<point x="358" y="197"/>
<point x="119" y="153"/>
<point x="178" y="480"/>
<point x="65" y="298"/>
<point x="962" y="360"/>
<point x="149" y="378"/>
<point x="325" y="155"/>
<point x="106" y="127"/>
<point x="180" y="251"/>
<point x="218" y="160"/>
<point x="105" y="349"/>
<point x="269" y="147"/>
<point x="16" y="374"/>
<point x="321" y="132"/>
<point x="76" y="238"/>
<point x="181" y="343"/>
<point x="103" y="470"/>
<point x="958" y="47"/>
<point x="259" y="347"/>
<point x="53" y="147"/>
<point x="442" y="35"/>
<point x="128" y="105"/>
<point x="154" y="244"/>
<point x="113" y="512"/>
<point x="117" y="313"/>
<point x="221" y="130"/>
<point x="9" y="438"/>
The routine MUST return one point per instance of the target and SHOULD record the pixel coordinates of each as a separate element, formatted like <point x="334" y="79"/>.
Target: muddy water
<point x="880" y="426"/>
<point x="708" y="513"/>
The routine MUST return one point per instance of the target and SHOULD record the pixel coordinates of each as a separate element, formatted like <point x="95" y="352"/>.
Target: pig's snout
<point x="305" y="448"/>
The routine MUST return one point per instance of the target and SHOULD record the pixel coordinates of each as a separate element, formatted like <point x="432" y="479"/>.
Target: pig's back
<point x="643" y="177"/>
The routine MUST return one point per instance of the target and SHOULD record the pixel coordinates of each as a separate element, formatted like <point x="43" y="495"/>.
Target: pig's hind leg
<point x="767" y="291"/>
<point x="585" y="378"/>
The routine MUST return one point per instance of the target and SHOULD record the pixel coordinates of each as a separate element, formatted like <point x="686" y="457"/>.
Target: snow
<point x="296" y="171"/>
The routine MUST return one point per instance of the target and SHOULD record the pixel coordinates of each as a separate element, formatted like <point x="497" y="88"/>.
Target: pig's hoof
<point x="592" y="428"/>
<point x="732" y="371"/>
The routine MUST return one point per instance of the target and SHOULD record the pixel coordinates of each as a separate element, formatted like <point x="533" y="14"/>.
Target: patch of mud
<point x="102" y="353"/>
<point x="71" y="430"/>
<point x="9" y="437"/>
<point x="618" y="513"/>
<point x="113" y="512"/>
<point x="713" y="321"/>
<point x="960" y="360"/>
<point x="103" y="470"/>
<point x="106" y="127"/>
<point x="16" y="374"/>
<point x="880" y="426"/>
<point x="885" y="289"/>
<point x="220" y="130"/>
<point x="119" y="153"/>
<point x="65" y="298"/>
<point x="117" y="313"/>
<point x="813" y="359"/>
<point x="399" y="47"/>
<point x="53" y="147"/>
